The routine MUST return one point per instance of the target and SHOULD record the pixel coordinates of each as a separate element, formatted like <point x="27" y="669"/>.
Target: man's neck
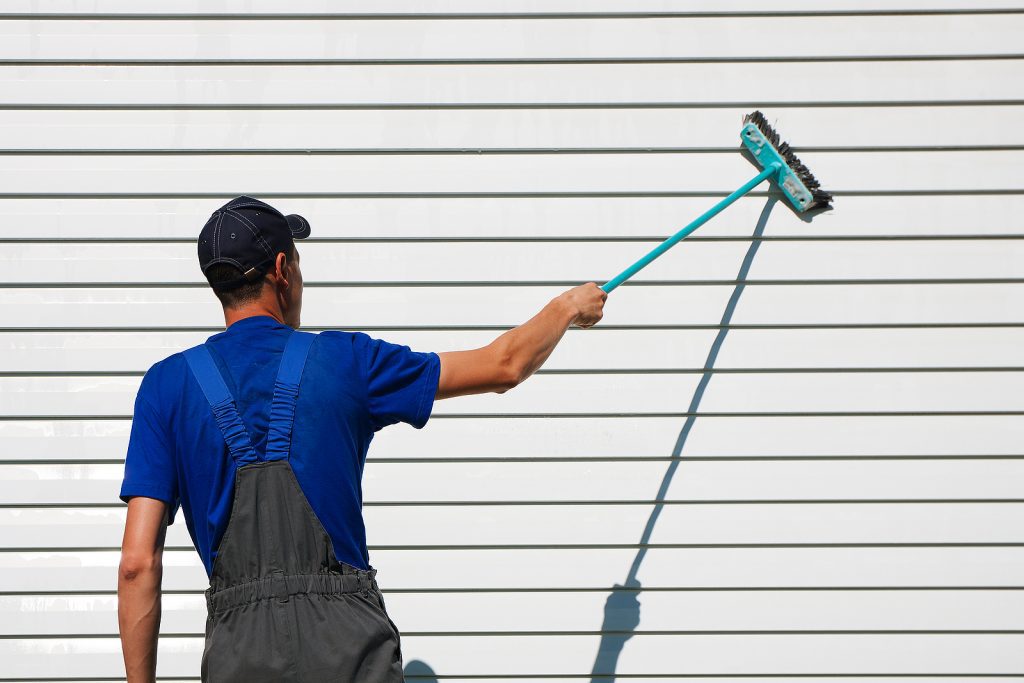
<point x="233" y="315"/>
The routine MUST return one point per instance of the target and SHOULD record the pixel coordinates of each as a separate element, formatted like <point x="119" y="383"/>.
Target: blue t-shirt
<point x="353" y="385"/>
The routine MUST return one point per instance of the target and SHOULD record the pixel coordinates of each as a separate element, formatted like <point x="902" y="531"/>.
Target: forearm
<point x="138" y="616"/>
<point x="515" y="355"/>
<point x="527" y="346"/>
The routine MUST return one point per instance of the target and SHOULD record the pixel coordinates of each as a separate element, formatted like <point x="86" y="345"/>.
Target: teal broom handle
<point x="769" y="170"/>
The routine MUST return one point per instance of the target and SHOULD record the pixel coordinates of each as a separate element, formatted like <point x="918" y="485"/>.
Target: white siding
<point x="831" y="434"/>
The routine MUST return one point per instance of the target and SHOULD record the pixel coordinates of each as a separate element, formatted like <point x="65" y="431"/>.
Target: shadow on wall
<point x="622" y="609"/>
<point x="419" y="672"/>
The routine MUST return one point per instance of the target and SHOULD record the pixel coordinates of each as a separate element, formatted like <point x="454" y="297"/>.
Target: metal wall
<point x="801" y="439"/>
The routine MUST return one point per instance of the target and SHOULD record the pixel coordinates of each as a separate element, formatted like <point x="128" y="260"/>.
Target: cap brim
<point x="298" y="225"/>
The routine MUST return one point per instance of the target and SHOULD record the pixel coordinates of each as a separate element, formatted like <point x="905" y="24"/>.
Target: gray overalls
<point x="281" y="607"/>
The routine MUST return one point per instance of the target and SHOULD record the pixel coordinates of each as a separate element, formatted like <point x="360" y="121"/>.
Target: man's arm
<point x="138" y="586"/>
<point x="515" y="355"/>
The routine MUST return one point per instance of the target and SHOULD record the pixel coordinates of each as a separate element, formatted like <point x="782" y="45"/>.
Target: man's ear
<point x="281" y="265"/>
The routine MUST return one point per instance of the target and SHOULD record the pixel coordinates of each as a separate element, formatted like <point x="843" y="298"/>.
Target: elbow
<point x="504" y="388"/>
<point x="510" y="380"/>
<point x="510" y="374"/>
<point x="132" y="567"/>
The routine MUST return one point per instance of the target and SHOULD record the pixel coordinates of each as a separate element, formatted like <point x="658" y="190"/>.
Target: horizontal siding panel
<point x="400" y="483"/>
<point x="896" y="81"/>
<point x="533" y="174"/>
<point x="536" y="525"/>
<point x="625" y="438"/>
<point x="507" y="262"/>
<point x="751" y="350"/>
<point x="489" y="217"/>
<point x="196" y="8"/>
<point x="727" y="37"/>
<point x="91" y="571"/>
<point x="575" y="394"/>
<point x="603" y="525"/>
<point x="232" y="131"/>
<point x="697" y="481"/>
<point x="419" y="675"/>
<point x="709" y="437"/>
<point x="782" y="654"/>
<point x="427" y="677"/>
<point x="667" y="611"/>
<point x="578" y="568"/>
<point x="41" y="307"/>
<point x="719" y="679"/>
<point x="792" y="654"/>
<point x="31" y="440"/>
<point x="681" y="611"/>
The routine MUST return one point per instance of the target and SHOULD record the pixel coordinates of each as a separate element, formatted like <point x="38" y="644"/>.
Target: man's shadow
<point x="622" y="608"/>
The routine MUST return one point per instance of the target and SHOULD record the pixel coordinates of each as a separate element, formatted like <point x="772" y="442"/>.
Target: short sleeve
<point x="149" y="464"/>
<point x="400" y="383"/>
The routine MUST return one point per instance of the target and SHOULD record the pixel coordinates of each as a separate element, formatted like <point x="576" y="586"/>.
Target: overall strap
<point x="286" y="393"/>
<point x="224" y="409"/>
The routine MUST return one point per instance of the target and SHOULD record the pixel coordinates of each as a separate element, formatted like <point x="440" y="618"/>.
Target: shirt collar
<point x="253" y="322"/>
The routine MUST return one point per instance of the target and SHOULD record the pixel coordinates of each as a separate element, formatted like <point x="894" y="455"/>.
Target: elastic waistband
<point x="283" y="586"/>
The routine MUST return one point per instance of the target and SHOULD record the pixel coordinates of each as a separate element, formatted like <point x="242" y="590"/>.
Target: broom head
<point x="798" y="184"/>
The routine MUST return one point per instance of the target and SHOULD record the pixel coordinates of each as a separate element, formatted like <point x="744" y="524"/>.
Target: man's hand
<point x="138" y="586"/>
<point x="588" y="300"/>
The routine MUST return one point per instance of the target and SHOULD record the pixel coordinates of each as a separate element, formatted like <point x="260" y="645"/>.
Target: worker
<point x="260" y="436"/>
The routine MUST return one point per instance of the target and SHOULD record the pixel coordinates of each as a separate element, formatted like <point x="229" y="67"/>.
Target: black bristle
<point x="821" y="197"/>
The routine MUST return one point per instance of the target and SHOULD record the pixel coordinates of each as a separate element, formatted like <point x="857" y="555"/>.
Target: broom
<point x="778" y="164"/>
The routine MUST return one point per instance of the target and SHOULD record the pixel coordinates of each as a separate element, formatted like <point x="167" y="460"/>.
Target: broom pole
<point x="768" y="171"/>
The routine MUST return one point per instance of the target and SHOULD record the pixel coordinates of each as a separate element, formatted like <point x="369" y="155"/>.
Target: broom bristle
<point x="821" y="198"/>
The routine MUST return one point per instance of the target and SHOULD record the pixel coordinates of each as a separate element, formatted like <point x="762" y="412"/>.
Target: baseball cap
<point x="247" y="234"/>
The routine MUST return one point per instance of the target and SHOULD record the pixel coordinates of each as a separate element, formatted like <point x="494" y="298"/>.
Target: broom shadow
<point x="622" y="608"/>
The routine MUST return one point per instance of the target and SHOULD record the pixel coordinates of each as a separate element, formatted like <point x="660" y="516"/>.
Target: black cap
<point x="247" y="234"/>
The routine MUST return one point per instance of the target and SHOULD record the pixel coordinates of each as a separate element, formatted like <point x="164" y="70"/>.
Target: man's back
<point x="353" y="386"/>
<point x="198" y="410"/>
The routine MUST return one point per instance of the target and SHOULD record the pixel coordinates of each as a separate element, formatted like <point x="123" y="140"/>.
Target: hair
<point x="243" y="294"/>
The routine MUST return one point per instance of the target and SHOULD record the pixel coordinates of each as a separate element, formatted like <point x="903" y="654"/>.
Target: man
<point x="260" y="436"/>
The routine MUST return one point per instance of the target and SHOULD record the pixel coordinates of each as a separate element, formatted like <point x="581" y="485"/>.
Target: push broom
<point x="778" y="165"/>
